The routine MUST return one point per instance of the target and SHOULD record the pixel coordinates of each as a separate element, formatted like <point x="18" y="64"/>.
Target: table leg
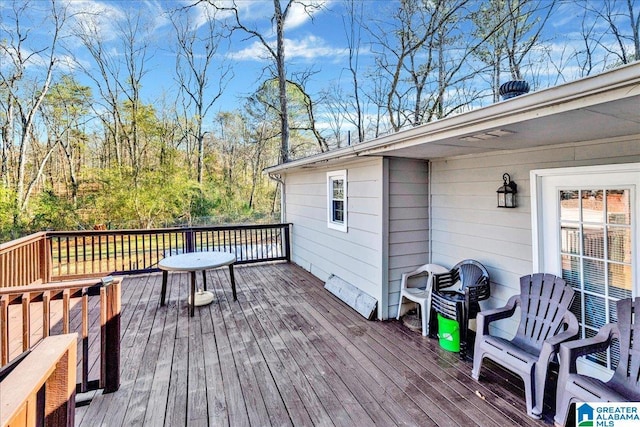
<point x="204" y="279"/>
<point x="165" y="273"/>
<point x="193" y="293"/>
<point x="233" y="282"/>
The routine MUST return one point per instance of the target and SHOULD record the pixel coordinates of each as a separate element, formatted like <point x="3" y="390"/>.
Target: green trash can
<point x="449" y="334"/>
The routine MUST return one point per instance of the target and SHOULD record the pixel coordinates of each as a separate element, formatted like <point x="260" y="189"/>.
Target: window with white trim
<point x="337" y="200"/>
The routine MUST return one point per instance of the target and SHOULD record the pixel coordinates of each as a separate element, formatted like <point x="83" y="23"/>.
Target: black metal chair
<point x="624" y="386"/>
<point x="545" y="322"/>
<point x="459" y="303"/>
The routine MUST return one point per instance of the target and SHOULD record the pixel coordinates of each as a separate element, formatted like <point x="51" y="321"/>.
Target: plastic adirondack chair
<point x="624" y="385"/>
<point x="461" y="302"/>
<point x="420" y="292"/>
<point x="545" y="322"/>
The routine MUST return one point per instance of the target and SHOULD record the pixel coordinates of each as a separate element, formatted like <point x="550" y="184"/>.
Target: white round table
<point x="197" y="261"/>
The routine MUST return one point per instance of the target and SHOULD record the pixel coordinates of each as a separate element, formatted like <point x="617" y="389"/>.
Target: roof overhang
<point x="603" y="106"/>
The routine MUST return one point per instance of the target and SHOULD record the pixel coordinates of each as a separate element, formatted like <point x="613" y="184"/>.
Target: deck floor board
<point x="286" y="353"/>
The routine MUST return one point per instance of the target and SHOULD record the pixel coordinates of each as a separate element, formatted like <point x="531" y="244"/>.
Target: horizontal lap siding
<point x="408" y="222"/>
<point x="467" y="224"/>
<point x="354" y="256"/>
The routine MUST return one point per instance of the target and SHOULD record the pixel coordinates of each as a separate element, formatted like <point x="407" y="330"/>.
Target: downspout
<point x="430" y="212"/>
<point x="278" y="178"/>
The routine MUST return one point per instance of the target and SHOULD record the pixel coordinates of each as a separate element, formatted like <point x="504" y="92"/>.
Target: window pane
<point x="613" y="311"/>
<point x="594" y="280"/>
<point x="618" y="207"/>
<point x="619" y="281"/>
<point x="569" y="239"/>
<point x="338" y="211"/>
<point x="571" y="271"/>
<point x="619" y="243"/>
<point x="338" y="189"/>
<point x="593" y="241"/>
<point x="592" y="206"/>
<point x="595" y="314"/>
<point x="569" y="206"/>
<point x="576" y="308"/>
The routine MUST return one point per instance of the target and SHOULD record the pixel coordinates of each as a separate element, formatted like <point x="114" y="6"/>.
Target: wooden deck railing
<point x="25" y="261"/>
<point x="41" y="389"/>
<point x="90" y="307"/>
<point x="96" y="253"/>
<point x="62" y="255"/>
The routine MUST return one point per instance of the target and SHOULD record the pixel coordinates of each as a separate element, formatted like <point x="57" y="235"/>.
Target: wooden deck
<point x="286" y="353"/>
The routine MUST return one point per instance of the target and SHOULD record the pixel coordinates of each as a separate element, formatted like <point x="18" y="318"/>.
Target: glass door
<point x="587" y="229"/>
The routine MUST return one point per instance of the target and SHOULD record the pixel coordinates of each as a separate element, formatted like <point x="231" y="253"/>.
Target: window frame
<point x="332" y="177"/>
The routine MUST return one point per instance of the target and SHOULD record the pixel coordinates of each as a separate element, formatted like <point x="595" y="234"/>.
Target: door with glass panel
<point x="589" y="229"/>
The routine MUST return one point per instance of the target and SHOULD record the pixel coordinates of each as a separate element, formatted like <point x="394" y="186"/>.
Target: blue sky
<point x="314" y="43"/>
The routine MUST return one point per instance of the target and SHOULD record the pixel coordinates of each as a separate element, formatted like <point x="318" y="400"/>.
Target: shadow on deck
<point x="286" y="353"/>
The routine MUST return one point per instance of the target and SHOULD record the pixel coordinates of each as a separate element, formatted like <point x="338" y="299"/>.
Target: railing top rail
<point x="54" y="286"/>
<point x="23" y="241"/>
<point x="166" y="230"/>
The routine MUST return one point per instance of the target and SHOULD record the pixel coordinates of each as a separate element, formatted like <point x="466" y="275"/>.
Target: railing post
<point x="110" y="335"/>
<point x="4" y="331"/>
<point x="287" y="241"/>
<point x="45" y="259"/>
<point x="189" y="241"/>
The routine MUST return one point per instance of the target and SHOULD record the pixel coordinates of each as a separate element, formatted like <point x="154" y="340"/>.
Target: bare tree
<point x="622" y="21"/>
<point x="119" y="77"/>
<point x="25" y="79"/>
<point x="423" y="54"/>
<point x="352" y="24"/>
<point x="276" y="53"/>
<point x="106" y="80"/>
<point x="65" y="109"/>
<point x="196" y="50"/>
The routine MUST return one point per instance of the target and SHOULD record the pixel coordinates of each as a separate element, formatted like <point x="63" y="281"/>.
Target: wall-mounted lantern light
<point x="507" y="193"/>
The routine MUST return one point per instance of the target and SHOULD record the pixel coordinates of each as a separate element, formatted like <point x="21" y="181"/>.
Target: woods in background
<point x="84" y="144"/>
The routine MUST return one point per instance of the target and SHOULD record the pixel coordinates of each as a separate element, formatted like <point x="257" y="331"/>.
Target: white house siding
<point x="467" y="224"/>
<point x="408" y="222"/>
<point x="355" y="256"/>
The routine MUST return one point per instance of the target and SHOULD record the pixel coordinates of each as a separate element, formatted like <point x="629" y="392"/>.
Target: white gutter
<point x="615" y="84"/>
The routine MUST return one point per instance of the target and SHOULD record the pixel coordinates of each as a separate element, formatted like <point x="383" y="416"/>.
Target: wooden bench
<point x="41" y="389"/>
<point x="34" y="322"/>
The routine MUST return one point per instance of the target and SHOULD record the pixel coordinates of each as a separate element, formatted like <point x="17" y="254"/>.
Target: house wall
<point x="467" y="224"/>
<point x="357" y="255"/>
<point x="408" y="222"/>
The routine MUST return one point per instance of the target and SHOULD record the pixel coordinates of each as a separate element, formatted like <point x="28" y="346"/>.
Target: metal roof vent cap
<point x="513" y="88"/>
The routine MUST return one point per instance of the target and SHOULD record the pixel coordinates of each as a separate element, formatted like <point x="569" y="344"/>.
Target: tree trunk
<point x="282" y="83"/>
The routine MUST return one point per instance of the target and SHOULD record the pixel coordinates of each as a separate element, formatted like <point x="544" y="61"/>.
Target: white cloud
<point x="97" y="17"/>
<point x="299" y="16"/>
<point x="308" y="48"/>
